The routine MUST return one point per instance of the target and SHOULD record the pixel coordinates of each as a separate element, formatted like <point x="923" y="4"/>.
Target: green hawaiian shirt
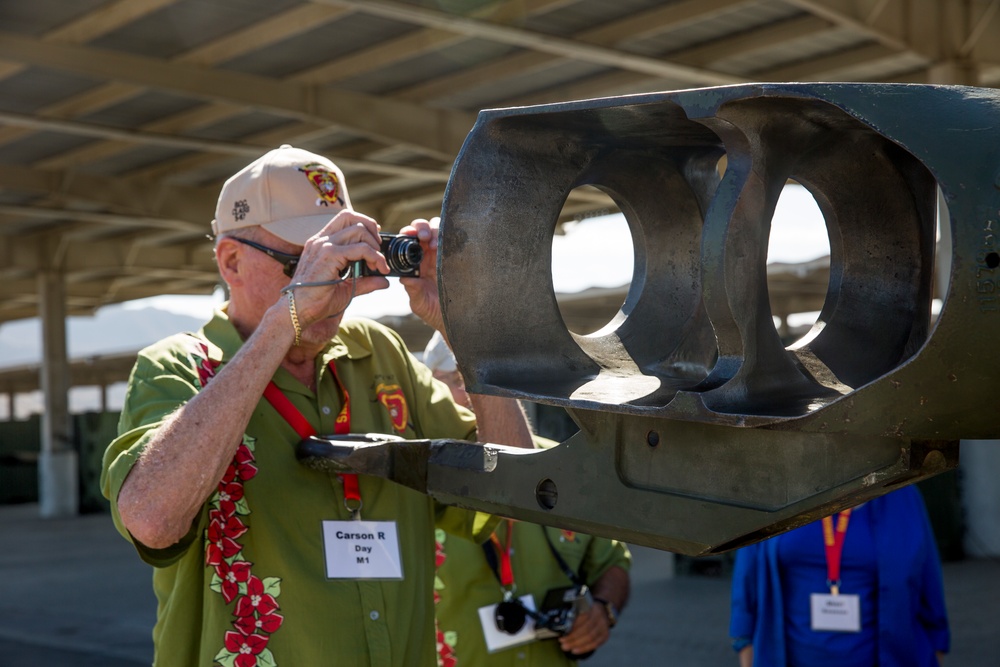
<point x="466" y="582"/>
<point x="248" y="585"/>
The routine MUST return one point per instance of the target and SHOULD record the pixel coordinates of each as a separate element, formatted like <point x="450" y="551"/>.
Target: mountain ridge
<point x="112" y="329"/>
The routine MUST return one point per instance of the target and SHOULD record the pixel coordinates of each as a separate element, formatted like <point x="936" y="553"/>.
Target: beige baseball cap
<point x="290" y="192"/>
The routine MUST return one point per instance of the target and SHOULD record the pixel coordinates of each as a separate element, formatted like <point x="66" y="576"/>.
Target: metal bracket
<point x="699" y="430"/>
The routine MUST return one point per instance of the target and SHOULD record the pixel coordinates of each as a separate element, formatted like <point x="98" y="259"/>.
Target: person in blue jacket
<point x="862" y="588"/>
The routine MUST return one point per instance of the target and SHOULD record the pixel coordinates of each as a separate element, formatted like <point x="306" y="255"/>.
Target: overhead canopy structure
<point x="120" y="118"/>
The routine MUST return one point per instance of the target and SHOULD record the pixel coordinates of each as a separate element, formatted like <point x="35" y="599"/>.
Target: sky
<point x="798" y="234"/>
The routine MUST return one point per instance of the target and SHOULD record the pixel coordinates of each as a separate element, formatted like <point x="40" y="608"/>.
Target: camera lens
<point x="404" y="254"/>
<point x="509" y="617"/>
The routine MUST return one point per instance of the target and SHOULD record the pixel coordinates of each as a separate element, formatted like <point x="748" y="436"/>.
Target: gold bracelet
<point x="295" y="318"/>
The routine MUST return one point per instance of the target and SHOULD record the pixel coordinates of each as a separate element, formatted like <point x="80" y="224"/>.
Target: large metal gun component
<point x="699" y="430"/>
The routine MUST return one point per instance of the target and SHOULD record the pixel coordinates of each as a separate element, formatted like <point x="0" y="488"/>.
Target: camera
<point x="559" y="610"/>
<point x="402" y="253"/>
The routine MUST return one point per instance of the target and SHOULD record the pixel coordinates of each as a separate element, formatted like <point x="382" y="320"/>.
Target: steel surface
<point x="700" y="431"/>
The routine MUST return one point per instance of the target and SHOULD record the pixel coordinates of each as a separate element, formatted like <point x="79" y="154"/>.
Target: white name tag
<point x="362" y="550"/>
<point x="497" y="639"/>
<point x="837" y="613"/>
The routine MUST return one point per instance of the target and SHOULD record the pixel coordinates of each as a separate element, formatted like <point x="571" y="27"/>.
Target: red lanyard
<point x="833" y="541"/>
<point x="295" y="419"/>
<point x="506" y="572"/>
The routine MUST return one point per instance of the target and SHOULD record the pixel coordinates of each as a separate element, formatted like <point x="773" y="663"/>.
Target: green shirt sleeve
<point x="162" y="381"/>
<point x="602" y="555"/>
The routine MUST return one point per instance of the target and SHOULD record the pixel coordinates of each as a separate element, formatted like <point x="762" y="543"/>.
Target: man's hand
<point x="590" y="631"/>
<point x="425" y="302"/>
<point x="349" y="237"/>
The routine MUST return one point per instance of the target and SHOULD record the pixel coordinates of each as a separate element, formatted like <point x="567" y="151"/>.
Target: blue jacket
<point x="912" y="620"/>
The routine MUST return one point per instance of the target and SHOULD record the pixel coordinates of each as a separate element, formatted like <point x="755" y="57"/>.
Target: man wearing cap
<point x="257" y="559"/>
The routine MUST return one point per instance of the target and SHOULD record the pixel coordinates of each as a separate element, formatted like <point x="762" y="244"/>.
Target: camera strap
<point x="301" y="425"/>
<point x="499" y="560"/>
<point x="567" y="570"/>
<point x="511" y="611"/>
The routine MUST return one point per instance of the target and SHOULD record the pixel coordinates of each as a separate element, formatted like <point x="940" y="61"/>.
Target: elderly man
<point x="257" y="559"/>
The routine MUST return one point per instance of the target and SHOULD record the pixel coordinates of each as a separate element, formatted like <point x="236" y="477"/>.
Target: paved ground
<point x="72" y="593"/>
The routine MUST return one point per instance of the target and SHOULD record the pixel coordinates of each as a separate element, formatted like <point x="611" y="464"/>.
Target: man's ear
<point x="227" y="256"/>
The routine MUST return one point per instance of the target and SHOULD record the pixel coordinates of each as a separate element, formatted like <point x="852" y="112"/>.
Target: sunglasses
<point x="286" y="260"/>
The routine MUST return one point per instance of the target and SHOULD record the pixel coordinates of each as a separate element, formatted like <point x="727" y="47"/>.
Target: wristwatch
<point x="610" y="609"/>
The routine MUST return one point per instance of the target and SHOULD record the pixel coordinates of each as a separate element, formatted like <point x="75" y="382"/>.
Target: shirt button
<point x="373" y="615"/>
<point x="326" y="409"/>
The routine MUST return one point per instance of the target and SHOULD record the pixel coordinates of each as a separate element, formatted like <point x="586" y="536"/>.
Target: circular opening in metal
<point x="592" y="260"/>
<point x="798" y="262"/>
<point x="546" y="494"/>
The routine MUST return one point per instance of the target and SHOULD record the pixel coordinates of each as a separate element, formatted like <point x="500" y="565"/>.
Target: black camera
<point x="559" y="610"/>
<point x="402" y="253"/>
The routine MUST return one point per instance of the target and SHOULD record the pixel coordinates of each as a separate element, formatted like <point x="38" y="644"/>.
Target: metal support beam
<point x="436" y="132"/>
<point x="206" y="145"/>
<point x="545" y="43"/>
<point x="57" y="466"/>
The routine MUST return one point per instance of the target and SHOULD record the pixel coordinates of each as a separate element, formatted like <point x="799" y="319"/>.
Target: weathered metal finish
<point x="700" y="431"/>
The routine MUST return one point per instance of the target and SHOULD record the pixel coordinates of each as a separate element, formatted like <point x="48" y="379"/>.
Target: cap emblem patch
<point x="325" y="182"/>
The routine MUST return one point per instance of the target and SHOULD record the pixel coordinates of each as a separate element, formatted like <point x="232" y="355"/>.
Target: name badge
<point x="362" y="550"/>
<point x="497" y="639"/>
<point x="836" y="613"/>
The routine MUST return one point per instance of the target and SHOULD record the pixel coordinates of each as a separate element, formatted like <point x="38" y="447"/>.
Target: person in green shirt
<point x="529" y="560"/>
<point x="259" y="560"/>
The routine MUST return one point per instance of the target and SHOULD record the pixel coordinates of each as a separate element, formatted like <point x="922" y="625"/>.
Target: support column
<point x="980" y="463"/>
<point x="58" y="476"/>
<point x="956" y="72"/>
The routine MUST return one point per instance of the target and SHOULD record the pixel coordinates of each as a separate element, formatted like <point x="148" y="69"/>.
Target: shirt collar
<point x="223" y="339"/>
<point x="224" y="342"/>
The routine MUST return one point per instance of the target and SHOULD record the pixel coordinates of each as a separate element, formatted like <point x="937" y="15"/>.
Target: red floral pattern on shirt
<point x="446" y="641"/>
<point x="256" y="605"/>
<point x="446" y="652"/>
